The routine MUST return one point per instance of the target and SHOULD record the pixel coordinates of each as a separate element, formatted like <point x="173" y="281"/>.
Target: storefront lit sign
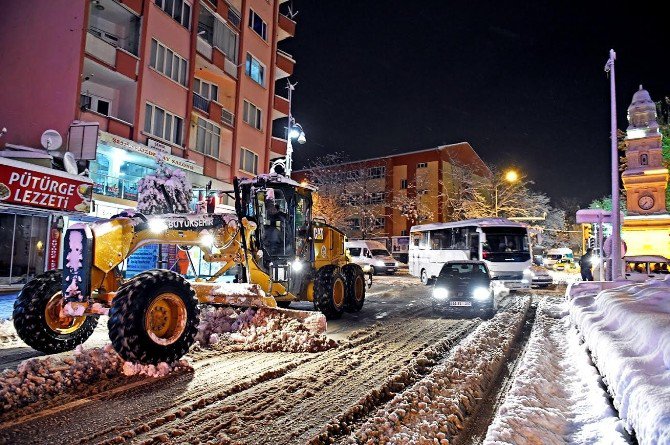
<point x="127" y="144"/>
<point x="159" y="146"/>
<point x="54" y="248"/>
<point x="35" y="186"/>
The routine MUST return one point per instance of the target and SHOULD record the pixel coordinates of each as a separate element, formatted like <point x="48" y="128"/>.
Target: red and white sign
<point x="54" y="249"/>
<point x="34" y="186"/>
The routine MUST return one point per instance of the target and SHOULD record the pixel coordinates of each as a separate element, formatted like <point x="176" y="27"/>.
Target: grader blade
<point x="246" y="295"/>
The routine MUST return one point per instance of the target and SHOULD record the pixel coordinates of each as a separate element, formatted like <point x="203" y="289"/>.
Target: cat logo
<point x="318" y="233"/>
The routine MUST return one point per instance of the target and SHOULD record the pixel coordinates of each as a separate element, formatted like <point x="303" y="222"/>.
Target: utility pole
<point x="615" y="270"/>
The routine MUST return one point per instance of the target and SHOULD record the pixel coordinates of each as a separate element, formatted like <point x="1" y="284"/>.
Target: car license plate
<point x="460" y="303"/>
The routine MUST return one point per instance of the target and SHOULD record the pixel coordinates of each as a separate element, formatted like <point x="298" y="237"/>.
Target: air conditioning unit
<point x="104" y="35"/>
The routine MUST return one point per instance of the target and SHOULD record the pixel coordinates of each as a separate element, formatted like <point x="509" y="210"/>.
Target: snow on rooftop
<point x="627" y="330"/>
<point x="556" y="396"/>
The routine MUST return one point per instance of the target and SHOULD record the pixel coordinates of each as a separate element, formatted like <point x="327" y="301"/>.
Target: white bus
<point x="502" y="244"/>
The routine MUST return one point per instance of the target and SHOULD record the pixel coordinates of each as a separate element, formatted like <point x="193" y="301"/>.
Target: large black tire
<point x="354" y="287"/>
<point x="283" y="304"/>
<point x="328" y="285"/>
<point x="424" y="278"/>
<point x="128" y="321"/>
<point x="30" y="317"/>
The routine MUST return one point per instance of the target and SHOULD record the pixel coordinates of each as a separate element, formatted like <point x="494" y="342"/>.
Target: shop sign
<point x="127" y="144"/>
<point x="152" y="143"/>
<point x="54" y="248"/>
<point x="35" y="186"/>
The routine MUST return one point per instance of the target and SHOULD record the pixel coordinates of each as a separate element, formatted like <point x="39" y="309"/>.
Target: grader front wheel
<point x="330" y="292"/>
<point x="154" y="318"/>
<point x="355" y="287"/>
<point x="38" y="320"/>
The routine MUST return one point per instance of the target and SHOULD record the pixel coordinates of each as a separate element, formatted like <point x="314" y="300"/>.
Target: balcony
<point x="200" y="103"/>
<point x="217" y="41"/>
<point x="114" y="57"/>
<point x="286" y="27"/>
<point x="277" y="147"/>
<point x="108" y="97"/>
<point x="280" y="108"/>
<point x="284" y="66"/>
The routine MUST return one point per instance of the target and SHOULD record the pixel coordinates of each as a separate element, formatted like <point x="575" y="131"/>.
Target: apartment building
<point x="378" y="194"/>
<point x="124" y="80"/>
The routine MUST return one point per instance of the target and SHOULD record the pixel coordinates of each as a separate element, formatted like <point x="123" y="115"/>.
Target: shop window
<point x="23" y="241"/>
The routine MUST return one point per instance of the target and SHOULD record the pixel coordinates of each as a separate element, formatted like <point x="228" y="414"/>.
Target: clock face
<point x="646" y="202"/>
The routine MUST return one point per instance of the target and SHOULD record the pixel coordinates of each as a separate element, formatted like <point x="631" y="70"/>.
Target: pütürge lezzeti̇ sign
<point x="35" y="186"/>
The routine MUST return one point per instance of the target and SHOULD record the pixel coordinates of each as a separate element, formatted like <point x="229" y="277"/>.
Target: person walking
<point x="585" y="265"/>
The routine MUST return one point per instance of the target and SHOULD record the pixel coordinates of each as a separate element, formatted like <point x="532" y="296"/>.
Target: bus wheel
<point x="424" y="278"/>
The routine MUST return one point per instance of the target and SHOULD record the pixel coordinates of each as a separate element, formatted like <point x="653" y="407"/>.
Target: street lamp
<point x="510" y="176"/>
<point x="294" y="131"/>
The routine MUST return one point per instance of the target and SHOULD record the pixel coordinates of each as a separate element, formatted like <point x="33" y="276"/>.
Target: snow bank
<point x="7" y="331"/>
<point x="556" y="396"/>
<point x="563" y="277"/>
<point x="433" y="409"/>
<point x="627" y="330"/>
<point x="45" y="377"/>
<point x="262" y="330"/>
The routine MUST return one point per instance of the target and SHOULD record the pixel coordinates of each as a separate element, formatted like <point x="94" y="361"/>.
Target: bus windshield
<point x="505" y="244"/>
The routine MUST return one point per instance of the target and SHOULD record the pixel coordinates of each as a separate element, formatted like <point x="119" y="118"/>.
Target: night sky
<point x="522" y="82"/>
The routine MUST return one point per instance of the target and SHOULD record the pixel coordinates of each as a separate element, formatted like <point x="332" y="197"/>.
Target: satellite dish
<point x="70" y="163"/>
<point x="51" y="140"/>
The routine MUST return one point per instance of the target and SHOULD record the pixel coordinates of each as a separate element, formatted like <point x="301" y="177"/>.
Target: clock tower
<point x="645" y="178"/>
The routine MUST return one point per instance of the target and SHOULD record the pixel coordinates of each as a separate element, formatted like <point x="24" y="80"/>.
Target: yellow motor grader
<point x="271" y="238"/>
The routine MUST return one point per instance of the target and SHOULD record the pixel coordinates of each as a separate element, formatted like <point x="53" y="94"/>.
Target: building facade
<point x="646" y="227"/>
<point x="125" y="80"/>
<point x="387" y="195"/>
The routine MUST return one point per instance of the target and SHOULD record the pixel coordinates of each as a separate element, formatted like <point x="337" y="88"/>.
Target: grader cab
<point x="271" y="238"/>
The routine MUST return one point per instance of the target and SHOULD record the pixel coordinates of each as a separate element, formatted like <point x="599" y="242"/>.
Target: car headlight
<point x="481" y="293"/>
<point x="380" y="263"/>
<point x="366" y="268"/>
<point x="440" y="293"/>
<point x="397" y="264"/>
<point x="297" y="265"/>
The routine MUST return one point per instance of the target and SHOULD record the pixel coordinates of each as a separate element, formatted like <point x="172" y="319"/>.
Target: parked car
<point x="553" y="256"/>
<point x="567" y="265"/>
<point x="645" y="267"/>
<point x="464" y="287"/>
<point x="540" y="277"/>
<point x="372" y="255"/>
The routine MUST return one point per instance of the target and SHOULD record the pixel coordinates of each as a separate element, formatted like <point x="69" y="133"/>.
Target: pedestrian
<point x="585" y="265"/>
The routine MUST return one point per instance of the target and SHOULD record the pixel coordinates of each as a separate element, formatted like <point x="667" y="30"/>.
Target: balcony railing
<point x="200" y="103"/>
<point x="227" y="117"/>
<point x="115" y="187"/>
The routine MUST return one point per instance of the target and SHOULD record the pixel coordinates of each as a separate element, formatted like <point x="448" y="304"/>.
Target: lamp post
<point x="615" y="271"/>
<point x="293" y="131"/>
<point x="510" y="176"/>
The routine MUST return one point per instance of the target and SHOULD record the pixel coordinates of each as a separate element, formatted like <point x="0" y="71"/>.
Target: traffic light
<point x="592" y="243"/>
<point x="588" y="240"/>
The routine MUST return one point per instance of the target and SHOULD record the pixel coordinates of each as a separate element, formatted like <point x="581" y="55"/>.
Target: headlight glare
<point x="440" y="293"/>
<point x="481" y="293"/>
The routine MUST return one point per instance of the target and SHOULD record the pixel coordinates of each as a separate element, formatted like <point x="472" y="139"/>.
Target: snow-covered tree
<point x="168" y="190"/>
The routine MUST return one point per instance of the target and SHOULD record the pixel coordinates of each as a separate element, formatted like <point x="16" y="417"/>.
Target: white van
<point x="554" y="255"/>
<point x="372" y="255"/>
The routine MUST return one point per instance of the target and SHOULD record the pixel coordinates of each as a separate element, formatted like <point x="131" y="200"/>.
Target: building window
<point x="162" y="124"/>
<point x="252" y="115"/>
<point x="95" y="103"/>
<point x="258" y="25"/>
<point x="167" y="62"/>
<point x="206" y="90"/>
<point x="353" y="174"/>
<point x="354" y="223"/>
<point x="403" y="184"/>
<point x="248" y="161"/>
<point x="376" y="172"/>
<point x="208" y="138"/>
<point x="375" y="198"/>
<point x="379" y="223"/>
<point x="403" y="233"/>
<point x="422" y="192"/>
<point x="422" y="165"/>
<point x="178" y="10"/>
<point x="255" y="70"/>
<point x="644" y="159"/>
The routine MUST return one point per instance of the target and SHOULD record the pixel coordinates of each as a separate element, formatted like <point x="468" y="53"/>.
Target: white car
<point x="372" y="256"/>
<point x="540" y="277"/>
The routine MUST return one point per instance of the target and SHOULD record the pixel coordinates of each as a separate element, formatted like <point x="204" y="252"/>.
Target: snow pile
<point x="7" y="331"/>
<point x="556" y="396"/>
<point x="433" y="409"/>
<point x="238" y="294"/>
<point x="627" y="330"/>
<point x="40" y="378"/>
<point x="263" y="329"/>
<point x="563" y="277"/>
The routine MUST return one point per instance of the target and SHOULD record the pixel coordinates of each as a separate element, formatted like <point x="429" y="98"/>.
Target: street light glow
<point x="294" y="133"/>
<point x="511" y="176"/>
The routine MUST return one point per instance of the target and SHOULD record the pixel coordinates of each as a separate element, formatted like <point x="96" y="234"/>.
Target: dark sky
<point x="522" y="82"/>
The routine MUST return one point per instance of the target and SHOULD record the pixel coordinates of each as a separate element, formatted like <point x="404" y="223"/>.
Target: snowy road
<point x="252" y="397"/>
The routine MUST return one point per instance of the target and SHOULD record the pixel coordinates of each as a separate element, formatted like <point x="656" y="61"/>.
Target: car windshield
<point x="554" y="257"/>
<point x="379" y="252"/>
<point x="463" y="271"/>
<point x="355" y="251"/>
